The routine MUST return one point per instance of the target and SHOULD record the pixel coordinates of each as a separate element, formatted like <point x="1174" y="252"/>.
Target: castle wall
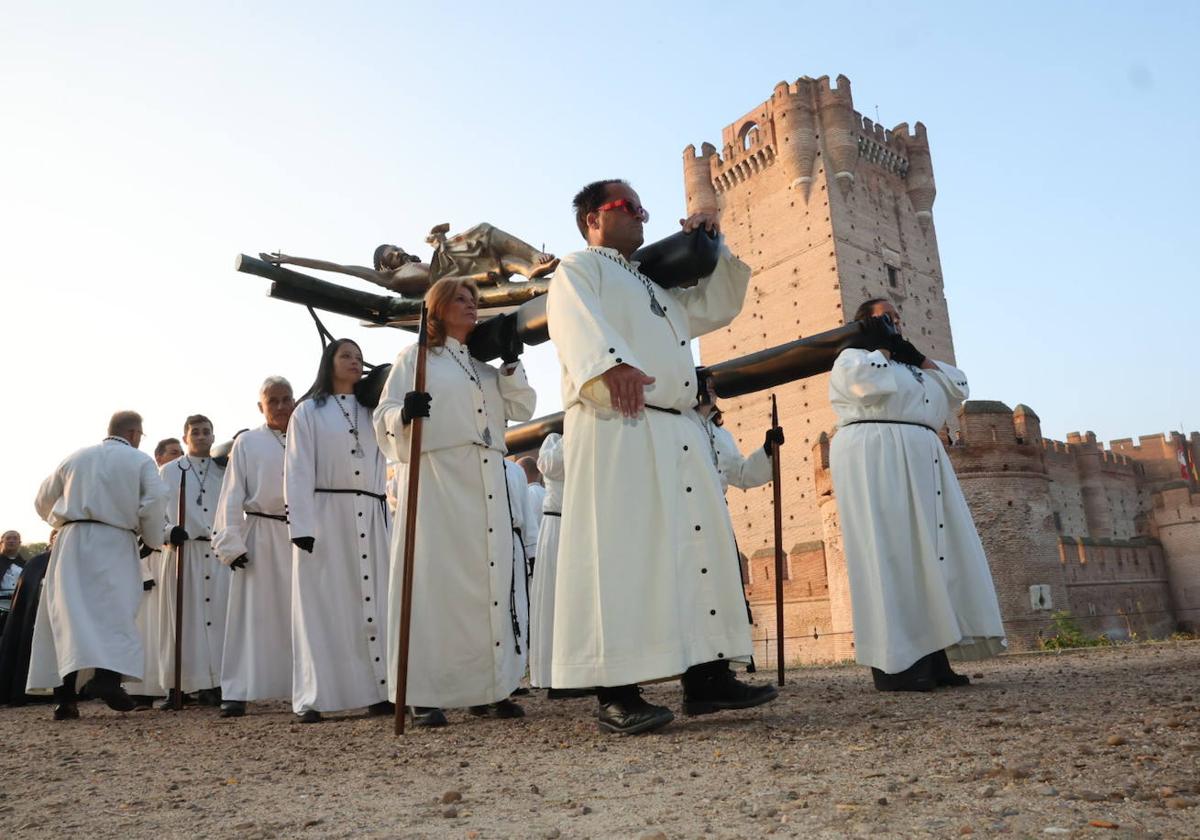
<point x="1176" y="523"/>
<point x="1118" y="588"/>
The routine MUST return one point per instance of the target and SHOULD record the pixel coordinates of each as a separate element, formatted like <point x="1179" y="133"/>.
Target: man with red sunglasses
<point x="648" y="584"/>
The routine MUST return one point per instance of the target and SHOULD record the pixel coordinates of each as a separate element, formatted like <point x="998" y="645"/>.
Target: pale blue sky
<point x="144" y="145"/>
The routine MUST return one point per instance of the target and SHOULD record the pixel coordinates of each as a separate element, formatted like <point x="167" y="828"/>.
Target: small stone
<point x="791" y="796"/>
<point x="472" y="835"/>
<point x="1102" y="824"/>
<point x="1092" y="796"/>
<point x="552" y="834"/>
<point x="1166" y="792"/>
<point x="1115" y="740"/>
<point x="1178" y="803"/>
<point x="987" y="792"/>
<point x="451" y="796"/>
<point x="882" y="800"/>
<point x="535" y="790"/>
<point x="1047" y="790"/>
<point x="965" y="829"/>
<point x="1054" y="829"/>
<point x="653" y="835"/>
<point x="694" y="774"/>
<point x="311" y="823"/>
<point x="450" y="812"/>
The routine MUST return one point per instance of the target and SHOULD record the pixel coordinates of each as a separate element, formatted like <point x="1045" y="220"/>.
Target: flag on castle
<point x="1187" y="465"/>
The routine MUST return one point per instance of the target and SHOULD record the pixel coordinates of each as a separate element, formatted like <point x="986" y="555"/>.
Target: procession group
<point x="622" y="569"/>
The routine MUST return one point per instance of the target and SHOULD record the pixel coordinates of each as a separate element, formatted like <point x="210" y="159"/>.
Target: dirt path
<point x="1040" y="746"/>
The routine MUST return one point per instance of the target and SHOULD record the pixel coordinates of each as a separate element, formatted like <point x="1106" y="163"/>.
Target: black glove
<point x="144" y="550"/>
<point x="774" y="435"/>
<point x="147" y="585"/>
<point x="904" y="352"/>
<point x="240" y="562"/>
<point x="304" y="543"/>
<point x="178" y="536"/>
<point x="879" y="331"/>
<point x="416" y="404"/>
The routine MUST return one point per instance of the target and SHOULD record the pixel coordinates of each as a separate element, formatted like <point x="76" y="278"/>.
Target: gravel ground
<point x="1102" y="742"/>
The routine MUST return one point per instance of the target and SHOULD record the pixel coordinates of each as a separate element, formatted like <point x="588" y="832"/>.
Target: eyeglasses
<point x="640" y="213"/>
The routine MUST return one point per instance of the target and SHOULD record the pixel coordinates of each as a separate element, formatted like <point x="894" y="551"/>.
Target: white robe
<point x="919" y="580"/>
<point x="462" y="647"/>
<point x="339" y="591"/>
<point x="256" y="661"/>
<point x="87" y="613"/>
<point x="541" y="590"/>
<point x="522" y="519"/>
<point x="732" y="468"/>
<point x="150" y="684"/>
<point x="205" y="580"/>
<point x="647" y="569"/>
<point x="535" y="495"/>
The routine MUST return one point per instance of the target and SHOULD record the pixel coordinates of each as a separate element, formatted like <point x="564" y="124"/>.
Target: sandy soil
<point x="1102" y="743"/>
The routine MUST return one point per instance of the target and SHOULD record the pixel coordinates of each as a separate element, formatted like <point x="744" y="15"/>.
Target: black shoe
<point x="233" y="708"/>
<point x="209" y="697"/>
<point x="713" y="688"/>
<point x="428" y="716"/>
<point x="167" y="704"/>
<point x="520" y="691"/>
<point x="569" y="693"/>
<point x="507" y="709"/>
<point x="310" y="716"/>
<point x="382" y="708"/>
<point x="66" y="711"/>
<point x="916" y="677"/>
<point x="106" y="686"/>
<point x="478" y="711"/>
<point x="943" y="674"/>
<point x="629" y="714"/>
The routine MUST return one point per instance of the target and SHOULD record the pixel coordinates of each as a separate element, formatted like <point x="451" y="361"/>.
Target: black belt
<point x="551" y="513"/>
<point x="378" y="496"/>
<point x="278" y="517"/>
<point x="893" y="423"/>
<point x="664" y="410"/>
<point x="96" y="522"/>
<point x="200" y="539"/>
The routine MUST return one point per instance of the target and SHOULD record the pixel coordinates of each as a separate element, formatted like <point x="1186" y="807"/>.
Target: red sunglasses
<point x="640" y="213"/>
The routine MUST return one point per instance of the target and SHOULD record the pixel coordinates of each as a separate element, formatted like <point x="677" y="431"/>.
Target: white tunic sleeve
<point x="740" y="472"/>
<point x="49" y="493"/>
<point x="519" y="397"/>
<point x="152" y="505"/>
<point x="550" y="457"/>
<point x="952" y="380"/>
<point x="300" y="472"/>
<point x="229" y="527"/>
<point x="587" y="345"/>
<point x="717" y="299"/>
<point x="390" y="431"/>
<point x="863" y="377"/>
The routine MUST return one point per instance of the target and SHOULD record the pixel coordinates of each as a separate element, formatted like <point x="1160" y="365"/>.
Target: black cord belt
<point x="664" y="410"/>
<point x="278" y="517"/>
<point x="552" y="513"/>
<point x="893" y="423"/>
<point x="96" y="522"/>
<point x="378" y="496"/>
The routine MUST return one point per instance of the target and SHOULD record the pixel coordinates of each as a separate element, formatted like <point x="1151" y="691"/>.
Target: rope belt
<point x="664" y="410"/>
<point x="201" y="539"/>
<point x="892" y="423"/>
<point x="96" y="522"/>
<point x="552" y="513"/>
<point x="378" y="496"/>
<point x="278" y="517"/>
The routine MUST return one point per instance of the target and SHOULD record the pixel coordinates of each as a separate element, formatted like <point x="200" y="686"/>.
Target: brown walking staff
<point x="777" y="491"/>
<point x="410" y="528"/>
<point x="177" y="700"/>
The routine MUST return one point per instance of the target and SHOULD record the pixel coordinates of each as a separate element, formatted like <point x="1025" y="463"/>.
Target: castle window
<point x="749" y="135"/>
<point x="893" y="276"/>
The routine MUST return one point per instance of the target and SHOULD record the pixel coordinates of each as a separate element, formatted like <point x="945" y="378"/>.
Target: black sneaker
<point x="309" y="716"/>
<point x="428" y="716"/>
<point x="232" y="708"/>
<point x="721" y="691"/>
<point x="629" y="714"/>
<point x="66" y="711"/>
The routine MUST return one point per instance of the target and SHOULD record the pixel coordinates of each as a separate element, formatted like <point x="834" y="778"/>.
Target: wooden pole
<point x="177" y="700"/>
<point x="410" y="529"/>
<point x="776" y="490"/>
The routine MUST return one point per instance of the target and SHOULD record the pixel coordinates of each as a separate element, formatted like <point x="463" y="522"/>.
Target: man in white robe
<point x="536" y="492"/>
<point x="647" y="569"/>
<point x="205" y="579"/>
<point x="101" y="499"/>
<point x="251" y="538"/>
<point x="921" y="590"/>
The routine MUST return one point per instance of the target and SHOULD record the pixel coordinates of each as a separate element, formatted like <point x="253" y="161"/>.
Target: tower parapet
<point x="921" y="188"/>
<point x="698" y="187"/>
<point x="838" y="124"/>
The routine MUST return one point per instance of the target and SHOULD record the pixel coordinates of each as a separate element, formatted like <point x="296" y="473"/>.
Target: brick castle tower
<point x="828" y="209"/>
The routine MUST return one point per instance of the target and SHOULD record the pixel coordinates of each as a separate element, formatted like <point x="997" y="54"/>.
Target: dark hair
<point x="123" y="421"/>
<point x="589" y="199"/>
<point x="864" y="308"/>
<point x="322" y="386"/>
<point x="195" y="419"/>
<point x="378" y="258"/>
<point x="161" y="446"/>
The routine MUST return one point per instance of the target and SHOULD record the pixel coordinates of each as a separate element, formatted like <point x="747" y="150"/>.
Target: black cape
<point x="17" y="641"/>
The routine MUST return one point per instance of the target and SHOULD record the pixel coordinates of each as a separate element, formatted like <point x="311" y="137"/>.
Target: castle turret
<point x="839" y="128"/>
<point x="698" y="179"/>
<point x="921" y="189"/>
<point x="1028" y="425"/>
<point x="797" y="132"/>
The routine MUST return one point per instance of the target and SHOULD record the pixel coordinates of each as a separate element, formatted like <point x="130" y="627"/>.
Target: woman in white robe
<point x="464" y="650"/>
<point x="541" y="591"/>
<point x="252" y="539"/>
<point x="920" y="586"/>
<point x="334" y="479"/>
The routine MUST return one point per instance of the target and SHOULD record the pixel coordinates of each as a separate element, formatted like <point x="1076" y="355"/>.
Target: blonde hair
<point x="438" y="300"/>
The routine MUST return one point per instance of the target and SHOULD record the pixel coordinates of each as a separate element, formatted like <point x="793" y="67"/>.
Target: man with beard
<point x="251" y="538"/>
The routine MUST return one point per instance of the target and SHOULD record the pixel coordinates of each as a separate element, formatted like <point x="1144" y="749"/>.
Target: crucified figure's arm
<point x="411" y="278"/>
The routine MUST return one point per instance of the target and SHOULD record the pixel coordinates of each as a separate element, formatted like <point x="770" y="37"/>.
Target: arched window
<point x="748" y="135"/>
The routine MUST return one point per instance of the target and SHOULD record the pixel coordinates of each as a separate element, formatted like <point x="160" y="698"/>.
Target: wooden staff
<point x="410" y="528"/>
<point x="177" y="700"/>
<point x="776" y="489"/>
